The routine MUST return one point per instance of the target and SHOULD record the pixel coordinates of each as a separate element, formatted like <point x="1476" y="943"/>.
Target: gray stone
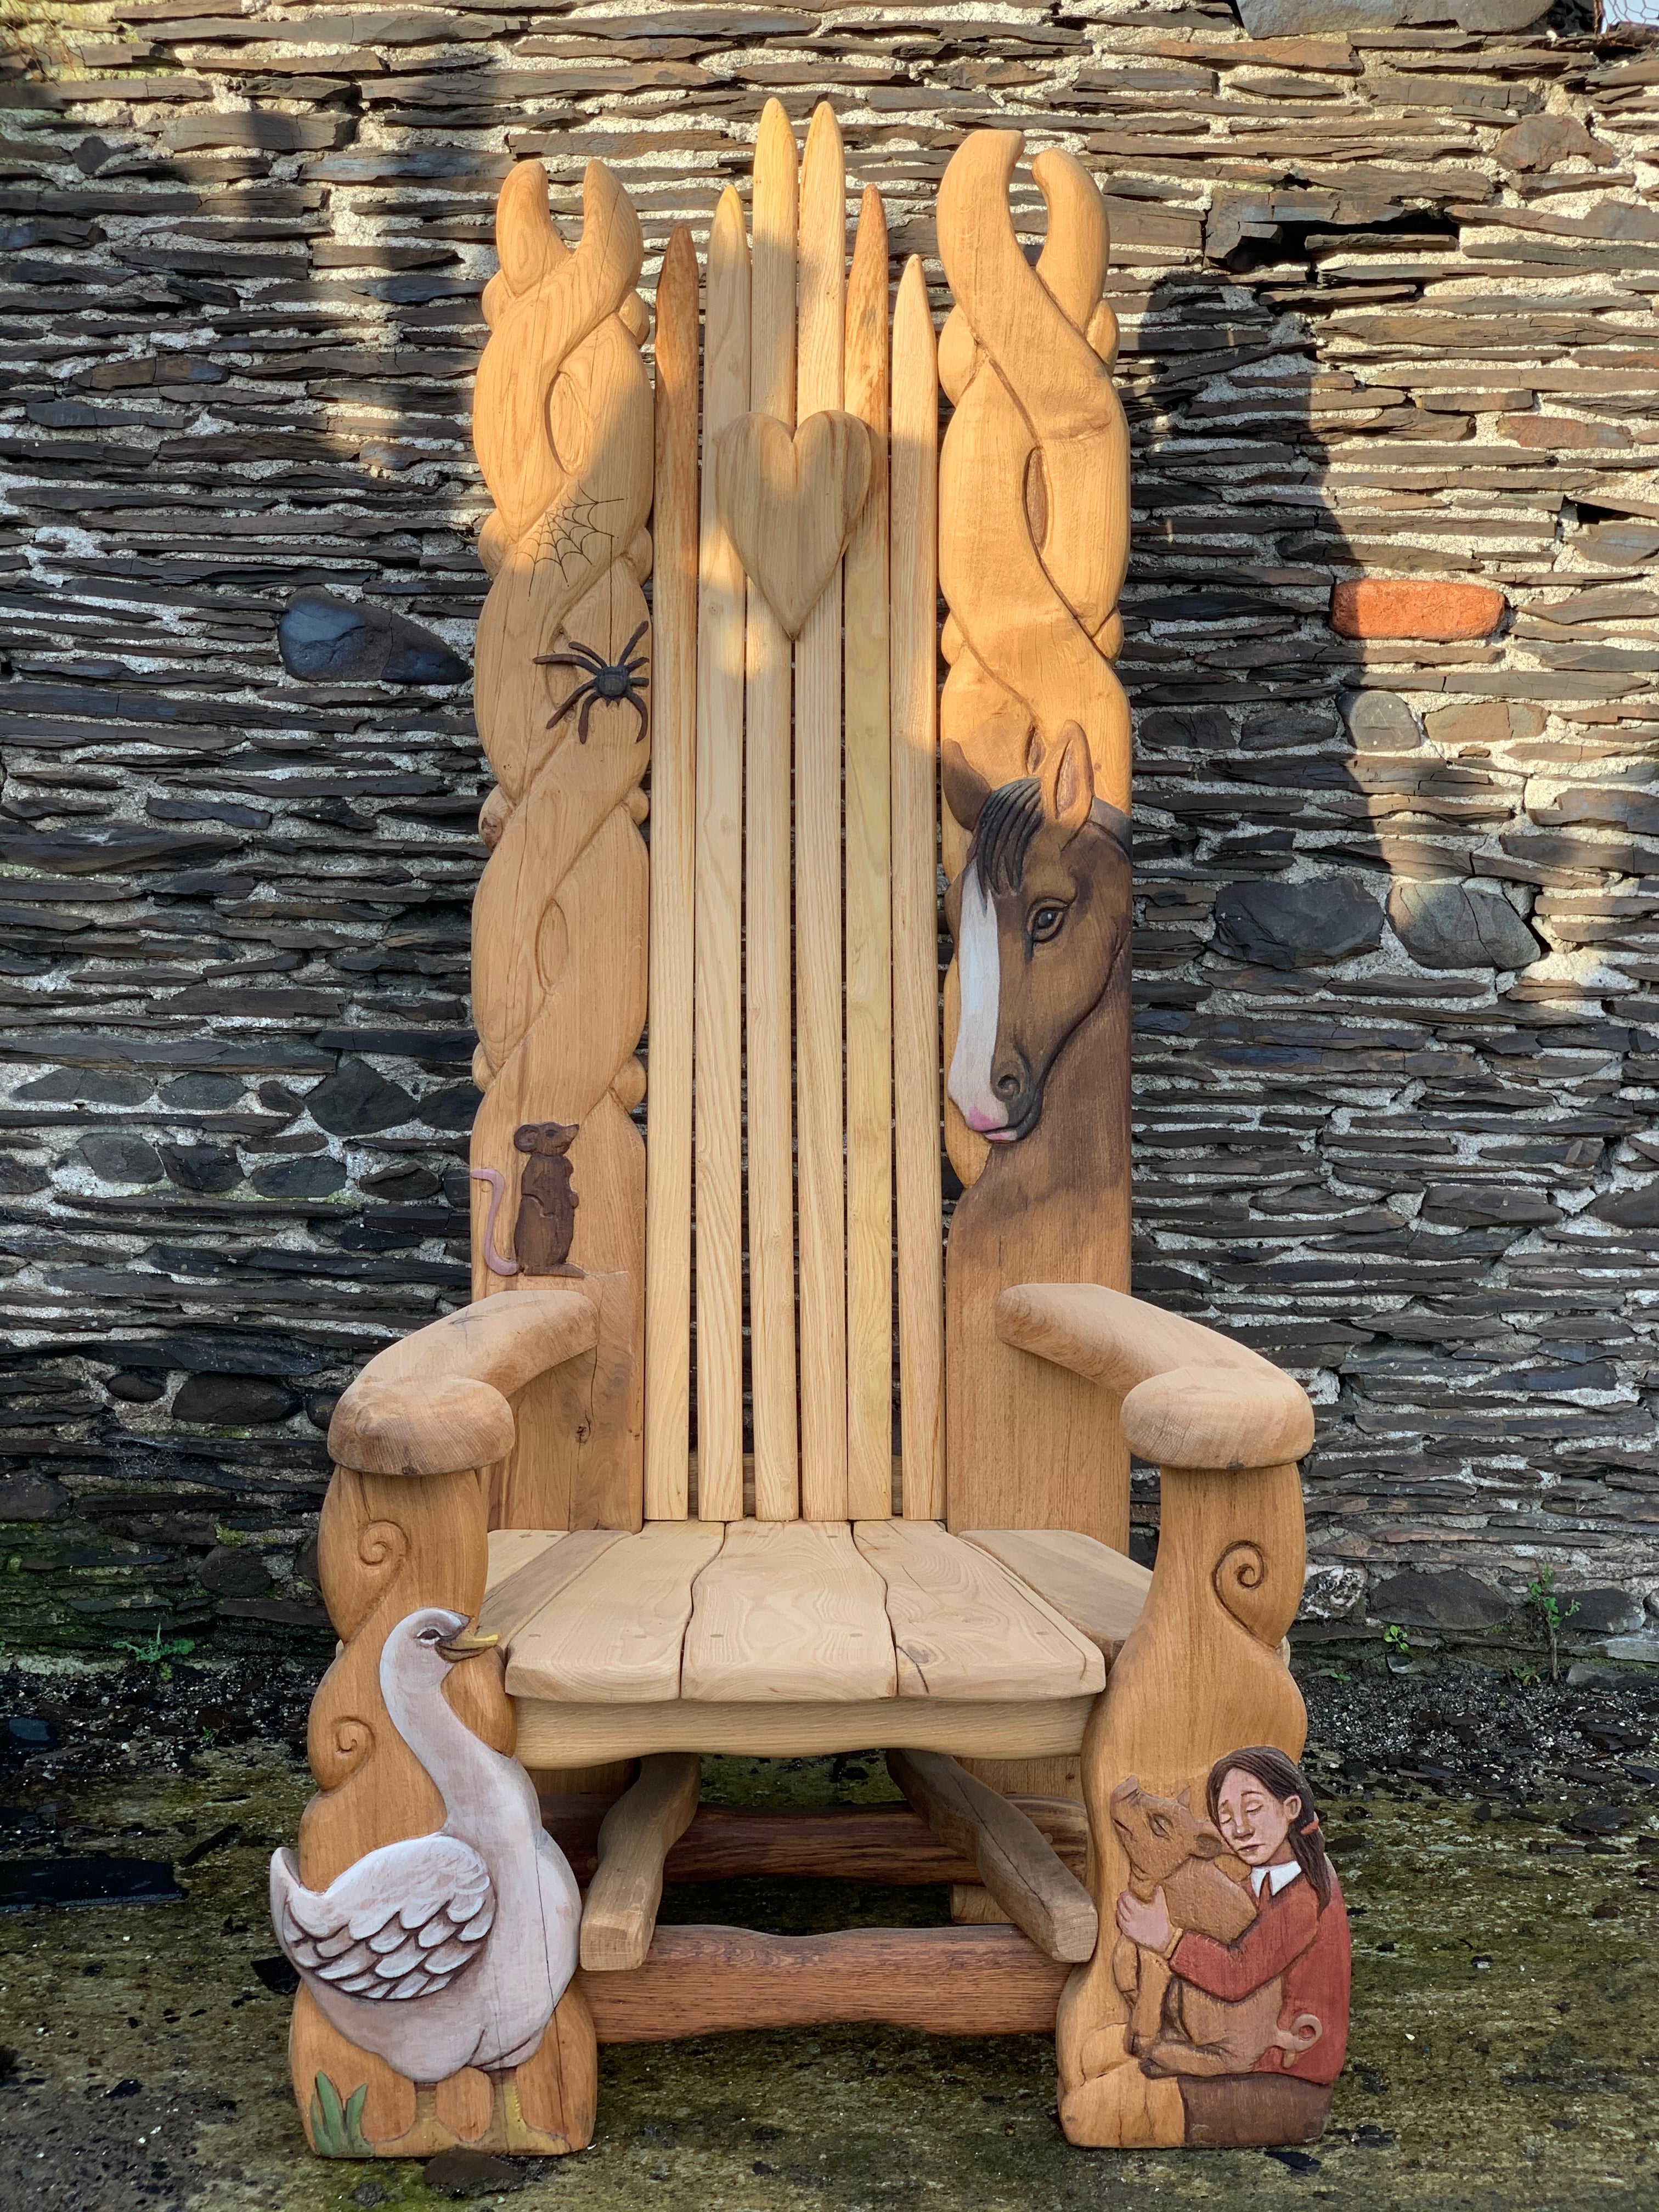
<point x="1635" y="1207"/>
<point x="33" y="1497"/>
<point x="136" y="1389"/>
<point x="1381" y="722"/>
<point x="1479" y="1205"/>
<point x="1541" y="141"/>
<point x="204" y="1168"/>
<point x="355" y="1101"/>
<point x="318" y="1177"/>
<point x="1295" y="18"/>
<point x="1443" y="923"/>
<point x="454" y="1108"/>
<point x="120" y="1159"/>
<point x="461" y="2171"/>
<point x="1602" y="1612"/>
<point x="1443" y="1597"/>
<point x="19" y="1177"/>
<point x="231" y="1401"/>
<point x="84" y="1086"/>
<point x="202" y="1094"/>
<point x="404" y="1185"/>
<point x="1482" y="15"/>
<point x="323" y="639"/>
<point x="1298" y="925"/>
<point x="233" y="1571"/>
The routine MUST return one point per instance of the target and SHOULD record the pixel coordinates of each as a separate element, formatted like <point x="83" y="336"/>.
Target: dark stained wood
<point x="865" y="1843"/>
<point x="944" y="1981"/>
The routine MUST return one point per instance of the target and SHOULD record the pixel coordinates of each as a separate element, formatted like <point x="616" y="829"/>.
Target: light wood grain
<point x="788" y="1611"/>
<point x="1200" y="1674"/>
<point x="965" y="1628"/>
<point x="791" y="501"/>
<point x="821" y="289"/>
<point x="563" y="420"/>
<point x="616" y="1632"/>
<point x="1088" y="1583"/>
<point x="869" y="891"/>
<point x="914" y="666"/>
<point x="719" y="899"/>
<point x="768" y="930"/>
<point x="844" y="1843"/>
<point x="941" y="1981"/>
<point x="513" y="1548"/>
<point x="436" y="1403"/>
<point x="566" y="1735"/>
<point x="1016" y="1864"/>
<point x="1033" y="538"/>
<point x="619" y="1914"/>
<point x="519" y="1595"/>
<point x="1187" y="1396"/>
<point x="673" y="892"/>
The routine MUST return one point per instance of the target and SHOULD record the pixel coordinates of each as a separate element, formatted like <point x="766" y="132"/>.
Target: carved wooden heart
<point x="790" y="502"/>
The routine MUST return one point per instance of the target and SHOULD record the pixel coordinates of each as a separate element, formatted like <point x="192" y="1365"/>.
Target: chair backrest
<point x="787" y="1209"/>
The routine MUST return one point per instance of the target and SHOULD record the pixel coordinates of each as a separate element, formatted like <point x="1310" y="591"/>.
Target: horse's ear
<point x="965" y="789"/>
<point x="1067" y="777"/>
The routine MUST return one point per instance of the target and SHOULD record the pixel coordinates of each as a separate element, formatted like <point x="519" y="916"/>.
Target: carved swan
<point x="447" y="1950"/>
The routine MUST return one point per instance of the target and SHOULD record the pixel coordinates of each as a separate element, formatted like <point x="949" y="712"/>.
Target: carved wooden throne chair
<point x="903" y="1524"/>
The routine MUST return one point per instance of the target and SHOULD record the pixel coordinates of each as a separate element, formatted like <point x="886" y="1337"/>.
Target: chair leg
<point x="1201" y="1675"/>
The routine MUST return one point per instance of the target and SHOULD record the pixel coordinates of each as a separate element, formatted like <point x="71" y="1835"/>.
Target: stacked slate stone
<point x="1385" y="270"/>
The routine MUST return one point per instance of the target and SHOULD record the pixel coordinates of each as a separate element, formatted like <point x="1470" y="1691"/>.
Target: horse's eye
<point x="1046" y="921"/>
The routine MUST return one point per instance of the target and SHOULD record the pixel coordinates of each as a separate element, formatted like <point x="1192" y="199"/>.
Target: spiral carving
<point x="563" y="427"/>
<point x="1034" y="472"/>
<point x="389" y="1544"/>
<point x="1258" y="1598"/>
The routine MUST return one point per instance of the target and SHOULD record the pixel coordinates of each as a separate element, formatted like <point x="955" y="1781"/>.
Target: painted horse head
<point x="1040" y="918"/>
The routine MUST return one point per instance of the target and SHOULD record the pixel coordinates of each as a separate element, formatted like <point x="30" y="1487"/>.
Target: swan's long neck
<point x="457" y="1761"/>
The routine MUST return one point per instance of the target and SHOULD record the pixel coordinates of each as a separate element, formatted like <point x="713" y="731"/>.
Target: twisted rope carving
<point x="1034" y="472"/>
<point x="563" y="426"/>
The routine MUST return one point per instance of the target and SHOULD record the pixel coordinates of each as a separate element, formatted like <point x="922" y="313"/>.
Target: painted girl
<point x="1260" y="1802"/>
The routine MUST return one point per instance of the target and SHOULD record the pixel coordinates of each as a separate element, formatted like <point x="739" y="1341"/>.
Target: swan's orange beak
<point x="468" y="1646"/>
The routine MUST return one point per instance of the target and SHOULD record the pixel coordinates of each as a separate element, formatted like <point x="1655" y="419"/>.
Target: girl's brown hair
<point x="1282" y="1778"/>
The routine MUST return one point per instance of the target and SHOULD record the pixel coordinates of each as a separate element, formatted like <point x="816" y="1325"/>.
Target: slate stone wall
<point x="1387" y="304"/>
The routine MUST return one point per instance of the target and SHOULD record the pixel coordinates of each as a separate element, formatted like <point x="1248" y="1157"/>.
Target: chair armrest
<point x="436" y="1403"/>
<point x="1190" y="1398"/>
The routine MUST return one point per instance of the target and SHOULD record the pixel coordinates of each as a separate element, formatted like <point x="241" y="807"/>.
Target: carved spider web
<point x="571" y="532"/>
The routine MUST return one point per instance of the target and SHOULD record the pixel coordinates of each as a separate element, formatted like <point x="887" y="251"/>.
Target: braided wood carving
<point x="563" y="428"/>
<point x="1033" y="546"/>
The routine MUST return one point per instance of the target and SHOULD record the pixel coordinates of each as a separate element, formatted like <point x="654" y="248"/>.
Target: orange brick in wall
<point x="1380" y="606"/>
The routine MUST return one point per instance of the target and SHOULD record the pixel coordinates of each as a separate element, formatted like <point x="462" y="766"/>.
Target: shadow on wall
<point x="1377" y="1088"/>
<point x="242" y="781"/>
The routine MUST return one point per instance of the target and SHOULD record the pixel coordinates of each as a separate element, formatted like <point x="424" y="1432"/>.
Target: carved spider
<point x="614" y="682"/>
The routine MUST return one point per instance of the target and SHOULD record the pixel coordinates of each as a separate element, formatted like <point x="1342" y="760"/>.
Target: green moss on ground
<point x="1505" y="2048"/>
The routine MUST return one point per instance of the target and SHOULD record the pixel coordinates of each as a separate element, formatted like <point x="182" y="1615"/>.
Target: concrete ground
<point x="1505" y="2046"/>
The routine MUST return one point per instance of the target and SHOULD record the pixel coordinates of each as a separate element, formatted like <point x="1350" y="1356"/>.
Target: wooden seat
<point x="798" y="1636"/>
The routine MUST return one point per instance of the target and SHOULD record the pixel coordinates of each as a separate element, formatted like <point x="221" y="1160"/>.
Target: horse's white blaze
<point x="979" y="969"/>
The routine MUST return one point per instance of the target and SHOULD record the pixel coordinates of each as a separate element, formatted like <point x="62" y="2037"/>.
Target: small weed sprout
<point x="1395" y="1642"/>
<point x="1545" y="1601"/>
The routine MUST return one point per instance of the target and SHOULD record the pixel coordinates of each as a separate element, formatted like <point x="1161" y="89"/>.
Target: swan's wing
<point x="401" y="1922"/>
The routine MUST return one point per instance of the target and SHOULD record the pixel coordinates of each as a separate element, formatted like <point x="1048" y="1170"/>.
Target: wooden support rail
<point x="861" y="1843"/>
<point x="944" y="1981"/>
<point x="620" y="1913"/>
<point x="1014" y="1860"/>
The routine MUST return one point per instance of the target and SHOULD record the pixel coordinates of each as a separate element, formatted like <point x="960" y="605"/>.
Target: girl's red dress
<point x="1292" y="1936"/>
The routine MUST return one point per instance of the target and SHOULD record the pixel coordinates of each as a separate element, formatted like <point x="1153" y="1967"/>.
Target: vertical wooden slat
<point x="673" y="854"/>
<point x="719" y="898"/>
<point x="869" y="949"/>
<point x="766" y="936"/>
<point x="914" y="654"/>
<point x="821" y="291"/>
